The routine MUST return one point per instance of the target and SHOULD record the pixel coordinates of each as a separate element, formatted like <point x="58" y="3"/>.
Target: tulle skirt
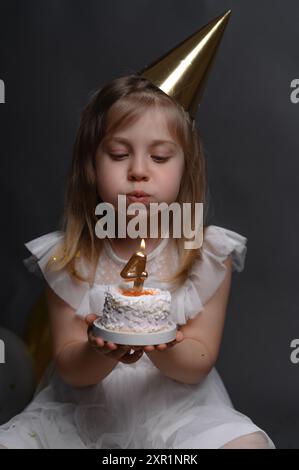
<point x="134" y="407"/>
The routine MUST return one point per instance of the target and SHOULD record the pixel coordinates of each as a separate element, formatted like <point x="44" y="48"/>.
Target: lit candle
<point x="134" y="270"/>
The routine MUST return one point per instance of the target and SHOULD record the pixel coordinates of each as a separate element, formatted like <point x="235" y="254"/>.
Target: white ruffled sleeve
<point x="207" y="274"/>
<point x="71" y="290"/>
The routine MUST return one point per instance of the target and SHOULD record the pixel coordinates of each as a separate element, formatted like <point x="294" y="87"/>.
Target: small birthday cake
<point x="128" y="311"/>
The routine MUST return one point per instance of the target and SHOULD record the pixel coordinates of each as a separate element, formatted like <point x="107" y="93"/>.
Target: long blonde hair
<point x="129" y="96"/>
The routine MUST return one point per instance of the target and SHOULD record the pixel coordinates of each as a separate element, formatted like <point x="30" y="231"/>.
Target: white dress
<point x="135" y="406"/>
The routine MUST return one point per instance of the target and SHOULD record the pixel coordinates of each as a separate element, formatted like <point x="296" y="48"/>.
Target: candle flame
<point x="142" y="244"/>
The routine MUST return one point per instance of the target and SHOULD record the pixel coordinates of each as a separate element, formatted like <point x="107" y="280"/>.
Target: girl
<point x="132" y="136"/>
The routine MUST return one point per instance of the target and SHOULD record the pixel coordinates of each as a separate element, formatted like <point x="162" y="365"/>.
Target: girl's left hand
<point x="164" y="346"/>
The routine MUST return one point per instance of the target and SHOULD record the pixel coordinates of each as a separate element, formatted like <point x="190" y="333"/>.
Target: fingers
<point x="179" y="336"/>
<point x="149" y="348"/>
<point x="159" y="347"/>
<point x="163" y="346"/>
<point x="122" y="350"/>
<point x="108" y="347"/>
<point x="90" y="318"/>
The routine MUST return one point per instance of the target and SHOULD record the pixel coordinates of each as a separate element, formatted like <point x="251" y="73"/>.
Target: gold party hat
<point x="183" y="71"/>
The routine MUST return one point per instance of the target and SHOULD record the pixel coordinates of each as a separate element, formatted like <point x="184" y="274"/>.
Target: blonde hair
<point x="129" y="96"/>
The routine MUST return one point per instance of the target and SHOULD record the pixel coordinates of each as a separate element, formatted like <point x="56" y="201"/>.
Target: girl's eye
<point x="155" y="157"/>
<point x="161" y="159"/>
<point x="117" y="156"/>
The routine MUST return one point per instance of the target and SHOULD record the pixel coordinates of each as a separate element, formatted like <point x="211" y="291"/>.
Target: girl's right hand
<point x="115" y="351"/>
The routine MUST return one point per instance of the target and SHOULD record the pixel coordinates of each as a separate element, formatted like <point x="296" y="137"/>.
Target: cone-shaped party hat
<point x="183" y="71"/>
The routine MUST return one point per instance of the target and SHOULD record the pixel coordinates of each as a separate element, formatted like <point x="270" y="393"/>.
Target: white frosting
<point x="143" y="313"/>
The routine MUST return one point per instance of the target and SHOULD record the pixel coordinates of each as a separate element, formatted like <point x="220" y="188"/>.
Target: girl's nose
<point x="137" y="169"/>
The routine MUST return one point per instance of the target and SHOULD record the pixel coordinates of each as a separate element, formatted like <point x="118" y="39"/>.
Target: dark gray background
<point x="54" y="53"/>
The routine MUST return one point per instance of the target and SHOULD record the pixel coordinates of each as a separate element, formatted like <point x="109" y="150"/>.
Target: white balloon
<point x="17" y="377"/>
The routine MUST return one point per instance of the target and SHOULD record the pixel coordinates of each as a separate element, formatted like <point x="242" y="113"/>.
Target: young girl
<point x="96" y="394"/>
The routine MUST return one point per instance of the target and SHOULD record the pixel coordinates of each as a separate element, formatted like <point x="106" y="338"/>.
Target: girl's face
<point x="141" y="157"/>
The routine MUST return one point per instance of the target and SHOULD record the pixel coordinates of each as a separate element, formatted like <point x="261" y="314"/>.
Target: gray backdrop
<point x="54" y="53"/>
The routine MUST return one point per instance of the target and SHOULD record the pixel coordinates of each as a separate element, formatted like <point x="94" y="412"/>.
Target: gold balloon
<point x="37" y="335"/>
<point x="183" y="71"/>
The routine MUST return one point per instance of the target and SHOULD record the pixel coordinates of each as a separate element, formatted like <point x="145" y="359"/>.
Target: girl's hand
<point x="120" y="352"/>
<point x="164" y="346"/>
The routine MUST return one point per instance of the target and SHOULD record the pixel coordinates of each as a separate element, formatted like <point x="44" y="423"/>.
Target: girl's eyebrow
<point x="153" y="143"/>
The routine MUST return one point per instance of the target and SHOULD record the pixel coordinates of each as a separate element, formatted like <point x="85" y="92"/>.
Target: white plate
<point x="134" y="339"/>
